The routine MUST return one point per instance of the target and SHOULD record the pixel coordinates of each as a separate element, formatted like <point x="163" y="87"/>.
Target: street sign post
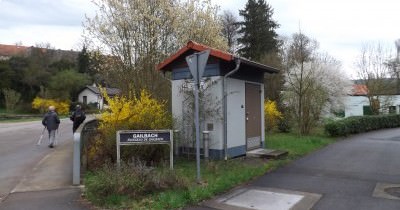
<point x="197" y="63"/>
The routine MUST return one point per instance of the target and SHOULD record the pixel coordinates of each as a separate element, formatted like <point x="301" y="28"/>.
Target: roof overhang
<point x="219" y="54"/>
<point x="265" y="68"/>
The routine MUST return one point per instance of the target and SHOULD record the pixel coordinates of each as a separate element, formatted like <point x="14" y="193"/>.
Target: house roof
<point x="11" y="50"/>
<point x="359" y="90"/>
<point x="110" y="91"/>
<point x="222" y="55"/>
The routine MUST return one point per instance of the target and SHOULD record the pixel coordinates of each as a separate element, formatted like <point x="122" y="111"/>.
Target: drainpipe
<point x="225" y="94"/>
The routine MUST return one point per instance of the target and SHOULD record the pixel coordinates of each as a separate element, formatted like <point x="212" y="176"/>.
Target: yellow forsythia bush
<point x="272" y="115"/>
<point x="42" y="104"/>
<point x="138" y="113"/>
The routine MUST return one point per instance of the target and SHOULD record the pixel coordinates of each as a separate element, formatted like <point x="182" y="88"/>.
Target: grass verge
<point x="217" y="176"/>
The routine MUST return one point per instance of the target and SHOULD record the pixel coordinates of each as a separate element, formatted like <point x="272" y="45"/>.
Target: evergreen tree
<point x="6" y="74"/>
<point x="257" y="30"/>
<point x="83" y="61"/>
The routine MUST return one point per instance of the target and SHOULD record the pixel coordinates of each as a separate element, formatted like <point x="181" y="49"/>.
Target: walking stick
<point x="41" y="137"/>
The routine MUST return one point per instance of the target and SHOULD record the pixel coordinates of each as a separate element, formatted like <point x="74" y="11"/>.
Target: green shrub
<point x="360" y="124"/>
<point x="284" y="125"/>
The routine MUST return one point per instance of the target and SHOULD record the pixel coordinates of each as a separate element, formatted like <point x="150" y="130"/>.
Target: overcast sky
<point x="341" y="26"/>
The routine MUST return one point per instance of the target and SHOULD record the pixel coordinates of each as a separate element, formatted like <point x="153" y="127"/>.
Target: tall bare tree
<point x="394" y="65"/>
<point x="140" y="34"/>
<point x="230" y="28"/>
<point x="298" y="73"/>
<point x="374" y="72"/>
<point x="312" y="81"/>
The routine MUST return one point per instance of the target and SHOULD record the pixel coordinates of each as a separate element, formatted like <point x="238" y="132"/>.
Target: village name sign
<point x="141" y="137"/>
<point x="144" y="137"/>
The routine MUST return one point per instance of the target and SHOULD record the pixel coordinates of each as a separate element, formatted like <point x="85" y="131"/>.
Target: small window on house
<point x="339" y="113"/>
<point x="367" y="110"/>
<point x="210" y="126"/>
<point x="392" y="109"/>
<point x="84" y="99"/>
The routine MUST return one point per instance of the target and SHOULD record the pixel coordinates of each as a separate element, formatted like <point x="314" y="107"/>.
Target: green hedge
<point x="360" y="124"/>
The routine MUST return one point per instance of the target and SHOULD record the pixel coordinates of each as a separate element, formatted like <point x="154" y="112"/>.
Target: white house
<point x="357" y="103"/>
<point x="91" y="95"/>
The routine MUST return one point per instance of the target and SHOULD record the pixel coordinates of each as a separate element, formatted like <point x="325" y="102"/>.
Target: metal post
<point x="197" y="124"/>
<point x="197" y="64"/>
<point x="76" y="170"/>
<point x="118" y="152"/>
<point x="171" y="150"/>
<point x="176" y="144"/>
<point x="206" y="142"/>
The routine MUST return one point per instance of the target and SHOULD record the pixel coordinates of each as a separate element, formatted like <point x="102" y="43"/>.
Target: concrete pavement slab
<point x="257" y="198"/>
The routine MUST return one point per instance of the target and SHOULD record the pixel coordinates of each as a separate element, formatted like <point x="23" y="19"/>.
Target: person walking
<point x="51" y="122"/>
<point x="77" y="117"/>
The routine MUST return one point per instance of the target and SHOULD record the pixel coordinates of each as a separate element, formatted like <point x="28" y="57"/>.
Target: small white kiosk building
<point x="232" y="102"/>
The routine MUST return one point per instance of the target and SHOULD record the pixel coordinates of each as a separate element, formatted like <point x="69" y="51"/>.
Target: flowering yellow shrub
<point x="137" y="113"/>
<point x="42" y="104"/>
<point x="272" y="115"/>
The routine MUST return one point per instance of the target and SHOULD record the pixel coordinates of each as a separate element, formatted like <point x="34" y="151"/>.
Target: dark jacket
<point x="78" y="116"/>
<point x="51" y="120"/>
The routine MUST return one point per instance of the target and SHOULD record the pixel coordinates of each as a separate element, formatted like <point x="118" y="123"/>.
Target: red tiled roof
<point x="10" y="50"/>
<point x="191" y="45"/>
<point x="359" y="90"/>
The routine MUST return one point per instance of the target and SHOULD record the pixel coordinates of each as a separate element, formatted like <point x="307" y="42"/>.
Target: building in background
<point x="358" y="104"/>
<point x="91" y="95"/>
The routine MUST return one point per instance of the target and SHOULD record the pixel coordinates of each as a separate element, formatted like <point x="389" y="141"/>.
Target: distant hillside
<point x="7" y="51"/>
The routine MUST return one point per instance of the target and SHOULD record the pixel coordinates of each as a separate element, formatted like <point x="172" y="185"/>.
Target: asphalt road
<point x="348" y="174"/>
<point x="38" y="175"/>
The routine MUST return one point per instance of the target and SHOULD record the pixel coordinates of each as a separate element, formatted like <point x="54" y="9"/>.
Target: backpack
<point x="78" y="116"/>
